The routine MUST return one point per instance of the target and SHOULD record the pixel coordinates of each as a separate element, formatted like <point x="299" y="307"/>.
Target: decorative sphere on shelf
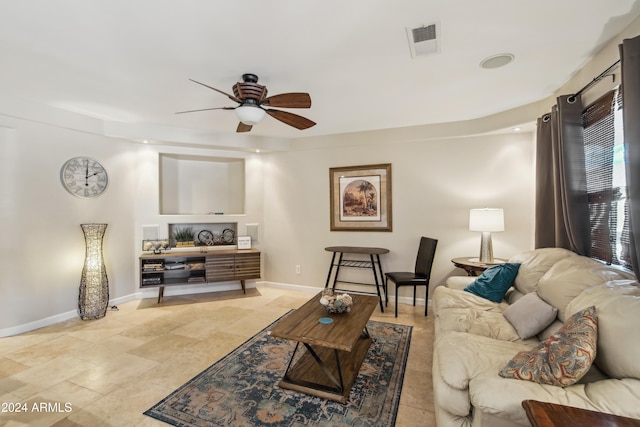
<point x="336" y="303"/>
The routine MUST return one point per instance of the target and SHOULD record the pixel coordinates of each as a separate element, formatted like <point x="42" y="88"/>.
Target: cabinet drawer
<point x="220" y="268"/>
<point x="248" y="266"/>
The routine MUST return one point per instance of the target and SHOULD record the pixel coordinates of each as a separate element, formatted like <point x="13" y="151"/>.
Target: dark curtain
<point x="562" y="210"/>
<point x="630" y="62"/>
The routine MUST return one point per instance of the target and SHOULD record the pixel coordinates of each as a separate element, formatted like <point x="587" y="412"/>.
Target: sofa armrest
<point x="459" y="282"/>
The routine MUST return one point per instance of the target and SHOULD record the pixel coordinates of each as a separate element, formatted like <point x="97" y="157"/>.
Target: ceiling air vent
<point x="423" y="40"/>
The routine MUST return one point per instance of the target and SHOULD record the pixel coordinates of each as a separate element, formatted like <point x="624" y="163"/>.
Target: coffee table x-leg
<point x="337" y="384"/>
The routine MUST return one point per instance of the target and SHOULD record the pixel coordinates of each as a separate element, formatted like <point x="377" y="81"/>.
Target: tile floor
<point x="107" y="372"/>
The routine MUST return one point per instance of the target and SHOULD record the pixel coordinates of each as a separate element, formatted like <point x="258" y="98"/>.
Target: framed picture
<point x="244" y="242"/>
<point x="360" y="198"/>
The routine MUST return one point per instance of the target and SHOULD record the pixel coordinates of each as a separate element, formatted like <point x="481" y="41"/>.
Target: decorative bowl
<point x="336" y="303"/>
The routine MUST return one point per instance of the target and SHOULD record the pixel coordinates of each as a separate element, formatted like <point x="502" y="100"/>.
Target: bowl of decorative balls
<point x="336" y="303"/>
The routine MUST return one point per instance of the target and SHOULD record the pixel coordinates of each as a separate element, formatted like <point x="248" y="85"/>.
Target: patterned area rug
<point x="241" y="388"/>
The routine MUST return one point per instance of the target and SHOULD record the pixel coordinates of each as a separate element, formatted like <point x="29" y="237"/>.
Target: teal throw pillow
<point x="494" y="281"/>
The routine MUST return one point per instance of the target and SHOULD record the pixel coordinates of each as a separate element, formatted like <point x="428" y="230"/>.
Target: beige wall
<point x="435" y="183"/>
<point x="42" y="244"/>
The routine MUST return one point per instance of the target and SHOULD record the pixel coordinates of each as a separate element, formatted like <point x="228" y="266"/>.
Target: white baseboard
<point x="303" y="288"/>
<point x="26" y="327"/>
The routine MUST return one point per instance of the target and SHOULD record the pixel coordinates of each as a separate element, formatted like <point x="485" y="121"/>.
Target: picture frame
<point x="360" y="198"/>
<point x="244" y="242"/>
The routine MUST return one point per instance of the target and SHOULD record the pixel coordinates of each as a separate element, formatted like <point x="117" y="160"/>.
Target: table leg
<point x="386" y="294"/>
<point x="338" y="383"/>
<point x="335" y="278"/>
<point x="375" y="278"/>
<point x="333" y="258"/>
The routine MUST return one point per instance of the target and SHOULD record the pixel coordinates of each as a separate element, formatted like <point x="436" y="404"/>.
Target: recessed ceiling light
<point x="497" y="61"/>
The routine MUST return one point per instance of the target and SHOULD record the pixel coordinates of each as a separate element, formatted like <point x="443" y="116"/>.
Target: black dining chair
<point x="421" y="274"/>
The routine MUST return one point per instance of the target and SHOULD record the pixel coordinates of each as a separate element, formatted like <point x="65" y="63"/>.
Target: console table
<point x="545" y="414"/>
<point x="372" y="263"/>
<point x="190" y="268"/>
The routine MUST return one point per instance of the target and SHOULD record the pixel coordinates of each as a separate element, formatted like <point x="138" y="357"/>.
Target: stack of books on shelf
<point x="196" y="279"/>
<point x="153" y="266"/>
<point x="152" y="280"/>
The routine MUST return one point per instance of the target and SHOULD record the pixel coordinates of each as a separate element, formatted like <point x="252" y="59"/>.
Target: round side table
<point x="472" y="265"/>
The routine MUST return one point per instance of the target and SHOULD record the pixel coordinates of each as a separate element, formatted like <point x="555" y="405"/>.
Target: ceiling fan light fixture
<point x="250" y="115"/>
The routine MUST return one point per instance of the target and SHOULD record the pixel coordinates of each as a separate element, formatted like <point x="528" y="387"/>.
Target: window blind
<point x="606" y="182"/>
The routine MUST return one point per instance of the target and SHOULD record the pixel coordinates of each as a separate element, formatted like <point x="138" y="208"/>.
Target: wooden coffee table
<point x="334" y="352"/>
<point x="545" y="414"/>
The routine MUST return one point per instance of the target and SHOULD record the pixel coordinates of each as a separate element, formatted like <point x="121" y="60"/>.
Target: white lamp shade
<point x="486" y="219"/>
<point x="250" y="115"/>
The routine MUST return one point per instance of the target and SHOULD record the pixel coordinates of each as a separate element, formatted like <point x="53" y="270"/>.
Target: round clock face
<point x="84" y="177"/>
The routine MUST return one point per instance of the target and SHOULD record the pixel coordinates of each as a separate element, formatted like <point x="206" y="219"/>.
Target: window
<point x="606" y="180"/>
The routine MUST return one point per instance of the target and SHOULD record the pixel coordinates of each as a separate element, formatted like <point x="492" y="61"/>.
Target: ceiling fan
<point x="253" y="99"/>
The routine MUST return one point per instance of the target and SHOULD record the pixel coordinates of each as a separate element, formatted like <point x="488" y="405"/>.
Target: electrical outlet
<point x="298" y="269"/>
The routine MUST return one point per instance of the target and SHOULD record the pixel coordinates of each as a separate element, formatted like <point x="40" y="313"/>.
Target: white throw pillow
<point x="530" y="315"/>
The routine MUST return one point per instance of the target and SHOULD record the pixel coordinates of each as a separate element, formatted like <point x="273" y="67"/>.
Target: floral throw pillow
<point x="563" y="358"/>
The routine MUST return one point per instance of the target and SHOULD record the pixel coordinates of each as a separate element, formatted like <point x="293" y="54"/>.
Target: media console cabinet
<point x="189" y="268"/>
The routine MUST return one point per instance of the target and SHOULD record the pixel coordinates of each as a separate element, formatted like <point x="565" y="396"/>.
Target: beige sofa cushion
<point x="463" y="356"/>
<point x="486" y="323"/>
<point x="459" y="282"/>
<point x="444" y="297"/>
<point x="618" y="307"/>
<point x="461" y="311"/>
<point x="569" y="277"/>
<point x="534" y="264"/>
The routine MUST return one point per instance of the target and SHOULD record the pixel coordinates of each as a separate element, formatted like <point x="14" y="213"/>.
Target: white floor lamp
<point x="486" y="221"/>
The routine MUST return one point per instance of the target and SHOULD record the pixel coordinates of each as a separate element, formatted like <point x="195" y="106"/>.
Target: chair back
<point x="424" y="260"/>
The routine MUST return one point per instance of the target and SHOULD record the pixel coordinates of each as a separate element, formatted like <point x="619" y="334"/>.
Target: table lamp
<point x="486" y="220"/>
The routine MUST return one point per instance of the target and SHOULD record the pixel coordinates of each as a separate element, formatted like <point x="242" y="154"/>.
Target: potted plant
<point x="184" y="236"/>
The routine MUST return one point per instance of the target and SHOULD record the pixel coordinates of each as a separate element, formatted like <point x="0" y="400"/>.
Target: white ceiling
<point x="129" y="61"/>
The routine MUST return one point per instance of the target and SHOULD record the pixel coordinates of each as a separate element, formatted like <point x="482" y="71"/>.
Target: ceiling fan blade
<point x="243" y="128"/>
<point x="206" y="109"/>
<point x="291" y="119"/>
<point x="289" y="100"/>
<point x="233" y="98"/>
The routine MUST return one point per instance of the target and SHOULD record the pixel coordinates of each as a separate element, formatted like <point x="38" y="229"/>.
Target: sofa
<point x="475" y="343"/>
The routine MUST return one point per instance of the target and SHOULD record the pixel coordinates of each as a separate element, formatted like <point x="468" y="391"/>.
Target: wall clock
<point x="84" y="177"/>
